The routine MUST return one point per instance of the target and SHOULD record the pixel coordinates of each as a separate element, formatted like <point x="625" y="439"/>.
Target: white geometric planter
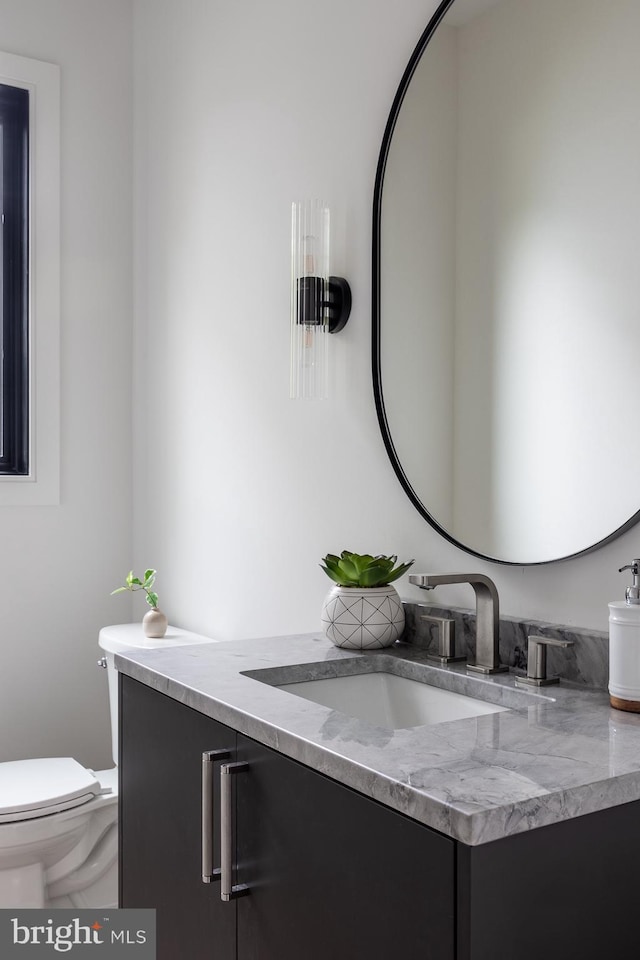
<point x="362" y="618"/>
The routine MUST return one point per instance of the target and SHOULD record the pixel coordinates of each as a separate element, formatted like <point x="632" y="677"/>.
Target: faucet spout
<point x="487" y="615"/>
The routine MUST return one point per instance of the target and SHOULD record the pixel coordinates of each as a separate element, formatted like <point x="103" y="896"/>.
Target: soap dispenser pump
<point x="632" y="593"/>
<point x="624" y="645"/>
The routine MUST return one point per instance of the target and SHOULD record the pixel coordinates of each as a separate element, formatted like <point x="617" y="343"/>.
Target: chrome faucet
<point x="487" y="615"/>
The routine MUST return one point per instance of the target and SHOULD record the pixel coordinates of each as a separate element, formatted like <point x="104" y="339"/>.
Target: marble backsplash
<point x="586" y="662"/>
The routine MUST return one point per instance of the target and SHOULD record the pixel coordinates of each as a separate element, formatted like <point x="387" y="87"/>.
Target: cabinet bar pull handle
<point x="209" y="757"/>
<point x="227" y="889"/>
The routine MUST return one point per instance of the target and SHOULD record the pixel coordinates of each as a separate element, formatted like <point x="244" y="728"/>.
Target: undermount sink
<point x="390" y="701"/>
<point x="396" y="692"/>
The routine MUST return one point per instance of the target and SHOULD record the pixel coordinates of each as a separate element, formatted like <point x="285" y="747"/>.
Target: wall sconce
<point x="320" y="303"/>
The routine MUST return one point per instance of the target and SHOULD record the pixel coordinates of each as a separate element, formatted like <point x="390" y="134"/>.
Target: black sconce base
<point x="339" y="303"/>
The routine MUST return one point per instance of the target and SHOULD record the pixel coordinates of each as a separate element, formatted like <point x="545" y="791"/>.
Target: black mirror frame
<point x="430" y="29"/>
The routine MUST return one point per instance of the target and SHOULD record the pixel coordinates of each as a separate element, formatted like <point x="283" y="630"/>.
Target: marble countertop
<point x="557" y="753"/>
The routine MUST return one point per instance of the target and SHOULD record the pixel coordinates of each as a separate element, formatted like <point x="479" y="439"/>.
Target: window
<point x="14" y="281"/>
<point x="29" y="282"/>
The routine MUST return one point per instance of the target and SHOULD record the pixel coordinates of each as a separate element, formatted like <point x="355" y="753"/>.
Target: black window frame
<point x="14" y="421"/>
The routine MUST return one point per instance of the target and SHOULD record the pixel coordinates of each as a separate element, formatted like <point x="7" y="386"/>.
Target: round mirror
<point x="506" y="318"/>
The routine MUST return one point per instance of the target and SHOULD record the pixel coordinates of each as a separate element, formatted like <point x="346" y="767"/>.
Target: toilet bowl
<point x="58" y="834"/>
<point x="59" y="820"/>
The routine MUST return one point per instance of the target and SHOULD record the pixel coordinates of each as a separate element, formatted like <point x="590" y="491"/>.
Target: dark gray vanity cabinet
<point x="559" y="892"/>
<point x="330" y="873"/>
<point x="333" y="874"/>
<point x="161" y="743"/>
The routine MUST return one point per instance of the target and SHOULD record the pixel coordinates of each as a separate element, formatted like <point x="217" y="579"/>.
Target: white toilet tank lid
<point x="128" y="636"/>
<point x="31" y="788"/>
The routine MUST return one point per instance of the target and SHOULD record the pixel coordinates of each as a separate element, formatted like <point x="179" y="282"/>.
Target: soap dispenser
<point x="624" y="646"/>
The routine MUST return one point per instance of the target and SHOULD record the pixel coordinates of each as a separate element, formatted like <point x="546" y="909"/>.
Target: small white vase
<point x="154" y="624"/>
<point x="362" y="618"/>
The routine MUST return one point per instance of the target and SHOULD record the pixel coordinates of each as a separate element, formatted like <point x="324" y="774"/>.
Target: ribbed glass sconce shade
<point x="309" y="300"/>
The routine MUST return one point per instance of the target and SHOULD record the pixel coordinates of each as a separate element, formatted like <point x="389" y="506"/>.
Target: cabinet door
<point x="564" y="891"/>
<point x="332" y="874"/>
<point x="161" y="746"/>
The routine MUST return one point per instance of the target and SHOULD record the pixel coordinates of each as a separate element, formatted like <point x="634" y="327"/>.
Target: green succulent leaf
<point x="120" y="590"/>
<point x="362" y="569"/>
<point x="334" y="574"/>
<point x="348" y="569"/>
<point x="400" y="570"/>
<point x="363" y="563"/>
<point x="152" y="599"/>
<point x="374" y="576"/>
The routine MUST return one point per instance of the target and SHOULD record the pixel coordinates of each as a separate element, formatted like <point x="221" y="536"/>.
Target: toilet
<point x="58" y="819"/>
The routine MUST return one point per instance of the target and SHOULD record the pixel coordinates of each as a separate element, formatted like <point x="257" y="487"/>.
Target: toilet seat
<point x="36" y="788"/>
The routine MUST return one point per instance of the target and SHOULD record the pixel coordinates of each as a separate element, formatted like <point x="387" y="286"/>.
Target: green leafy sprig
<point x="363" y="570"/>
<point x="133" y="583"/>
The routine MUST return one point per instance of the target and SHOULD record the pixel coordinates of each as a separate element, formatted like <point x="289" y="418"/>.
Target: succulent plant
<point x="363" y="570"/>
<point x="133" y="583"/>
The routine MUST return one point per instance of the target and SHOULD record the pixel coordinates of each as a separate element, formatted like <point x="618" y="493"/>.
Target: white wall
<point x="59" y="563"/>
<point x="239" y="109"/>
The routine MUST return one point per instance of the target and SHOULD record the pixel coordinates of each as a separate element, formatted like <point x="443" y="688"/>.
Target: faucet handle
<point x="537" y="660"/>
<point x="446" y="640"/>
